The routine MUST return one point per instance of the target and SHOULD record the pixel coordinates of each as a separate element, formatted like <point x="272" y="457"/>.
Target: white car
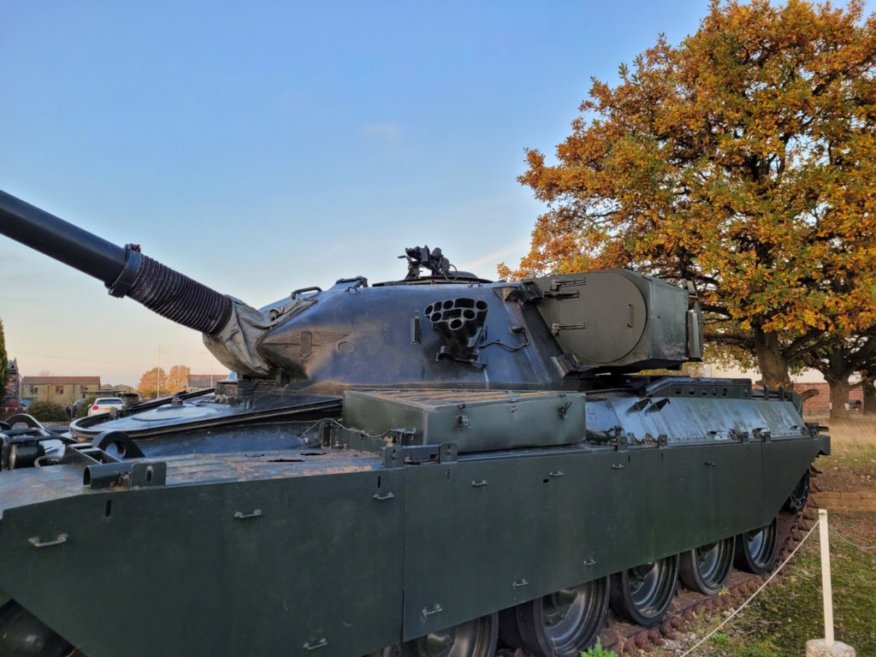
<point x="105" y="404"/>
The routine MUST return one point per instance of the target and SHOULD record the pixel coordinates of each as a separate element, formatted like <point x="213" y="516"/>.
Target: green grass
<point x="788" y="612"/>
<point x="852" y="463"/>
<point x="598" y="651"/>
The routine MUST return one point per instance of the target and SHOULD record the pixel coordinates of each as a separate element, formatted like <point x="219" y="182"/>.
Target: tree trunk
<point x="839" y="397"/>
<point x="869" y="388"/>
<point x="772" y="365"/>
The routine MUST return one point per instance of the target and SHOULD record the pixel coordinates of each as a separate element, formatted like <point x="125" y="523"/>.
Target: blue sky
<point x="263" y="147"/>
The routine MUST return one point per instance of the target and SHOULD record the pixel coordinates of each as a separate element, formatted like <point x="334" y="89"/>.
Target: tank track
<point x="625" y="638"/>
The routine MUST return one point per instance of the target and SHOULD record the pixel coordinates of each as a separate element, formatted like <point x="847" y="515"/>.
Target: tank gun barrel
<point x="59" y="239"/>
<point x="124" y="270"/>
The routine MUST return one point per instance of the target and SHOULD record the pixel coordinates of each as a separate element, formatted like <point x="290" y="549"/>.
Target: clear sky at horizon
<point x="264" y="147"/>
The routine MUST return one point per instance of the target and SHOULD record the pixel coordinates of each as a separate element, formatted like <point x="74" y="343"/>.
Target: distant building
<point x="819" y="404"/>
<point x="197" y="382"/>
<point x="62" y="390"/>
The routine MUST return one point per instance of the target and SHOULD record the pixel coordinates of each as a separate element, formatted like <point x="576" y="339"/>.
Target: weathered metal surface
<point x="474" y="421"/>
<point x="618" y="318"/>
<point x="202" y="412"/>
<point x="693" y="418"/>
<point x="28" y="486"/>
<point x="464" y="538"/>
<point x="256" y="568"/>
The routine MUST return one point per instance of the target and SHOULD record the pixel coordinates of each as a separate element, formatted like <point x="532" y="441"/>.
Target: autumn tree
<point x="153" y="383"/>
<point x="838" y="359"/>
<point x="867" y="382"/>
<point x="744" y="160"/>
<point x="868" y="385"/>
<point x="178" y="379"/>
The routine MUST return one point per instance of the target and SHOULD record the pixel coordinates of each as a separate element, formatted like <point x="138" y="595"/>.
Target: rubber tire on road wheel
<point x="796" y="501"/>
<point x="23" y="635"/>
<point x="756" y="550"/>
<point x="562" y="624"/>
<point x="475" y="638"/>
<point x="642" y="594"/>
<point x="706" y="569"/>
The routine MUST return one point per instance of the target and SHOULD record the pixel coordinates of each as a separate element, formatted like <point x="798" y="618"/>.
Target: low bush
<point x="81" y="408"/>
<point x="47" y="411"/>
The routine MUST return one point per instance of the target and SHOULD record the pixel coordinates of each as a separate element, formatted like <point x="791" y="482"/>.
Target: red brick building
<point x="819" y="404"/>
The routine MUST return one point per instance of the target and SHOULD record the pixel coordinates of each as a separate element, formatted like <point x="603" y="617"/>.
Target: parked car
<point x="105" y="405"/>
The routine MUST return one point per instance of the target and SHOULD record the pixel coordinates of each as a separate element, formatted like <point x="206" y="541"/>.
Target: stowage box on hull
<point x="474" y="421"/>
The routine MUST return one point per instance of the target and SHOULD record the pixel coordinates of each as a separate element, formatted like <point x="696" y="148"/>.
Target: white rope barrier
<point x="753" y="595"/>
<point x="862" y="548"/>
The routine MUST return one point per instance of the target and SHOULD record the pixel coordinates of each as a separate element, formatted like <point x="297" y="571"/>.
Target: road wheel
<point x="562" y="624"/>
<point x="23" y="635"/>
<point x="706" y="569"/>
<point x="475" y="638"/>
<point x="797" y="499"/>
<point x="642" y="594"/>
<point x="756" y="549"/>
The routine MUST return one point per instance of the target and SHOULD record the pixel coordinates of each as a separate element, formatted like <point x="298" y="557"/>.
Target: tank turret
<point x="446" y="329"/>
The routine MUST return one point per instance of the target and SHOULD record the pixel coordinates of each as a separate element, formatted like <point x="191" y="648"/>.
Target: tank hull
<point x="339" y="552"/>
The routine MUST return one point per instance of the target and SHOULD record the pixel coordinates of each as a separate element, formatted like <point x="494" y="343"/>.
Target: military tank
<point x="434" y="466"/>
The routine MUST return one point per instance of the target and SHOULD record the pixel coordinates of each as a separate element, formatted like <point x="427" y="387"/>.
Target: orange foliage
<point x="178" y="379"/>
<point x="743" y="159"/>
<point x="152" y="382"/>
